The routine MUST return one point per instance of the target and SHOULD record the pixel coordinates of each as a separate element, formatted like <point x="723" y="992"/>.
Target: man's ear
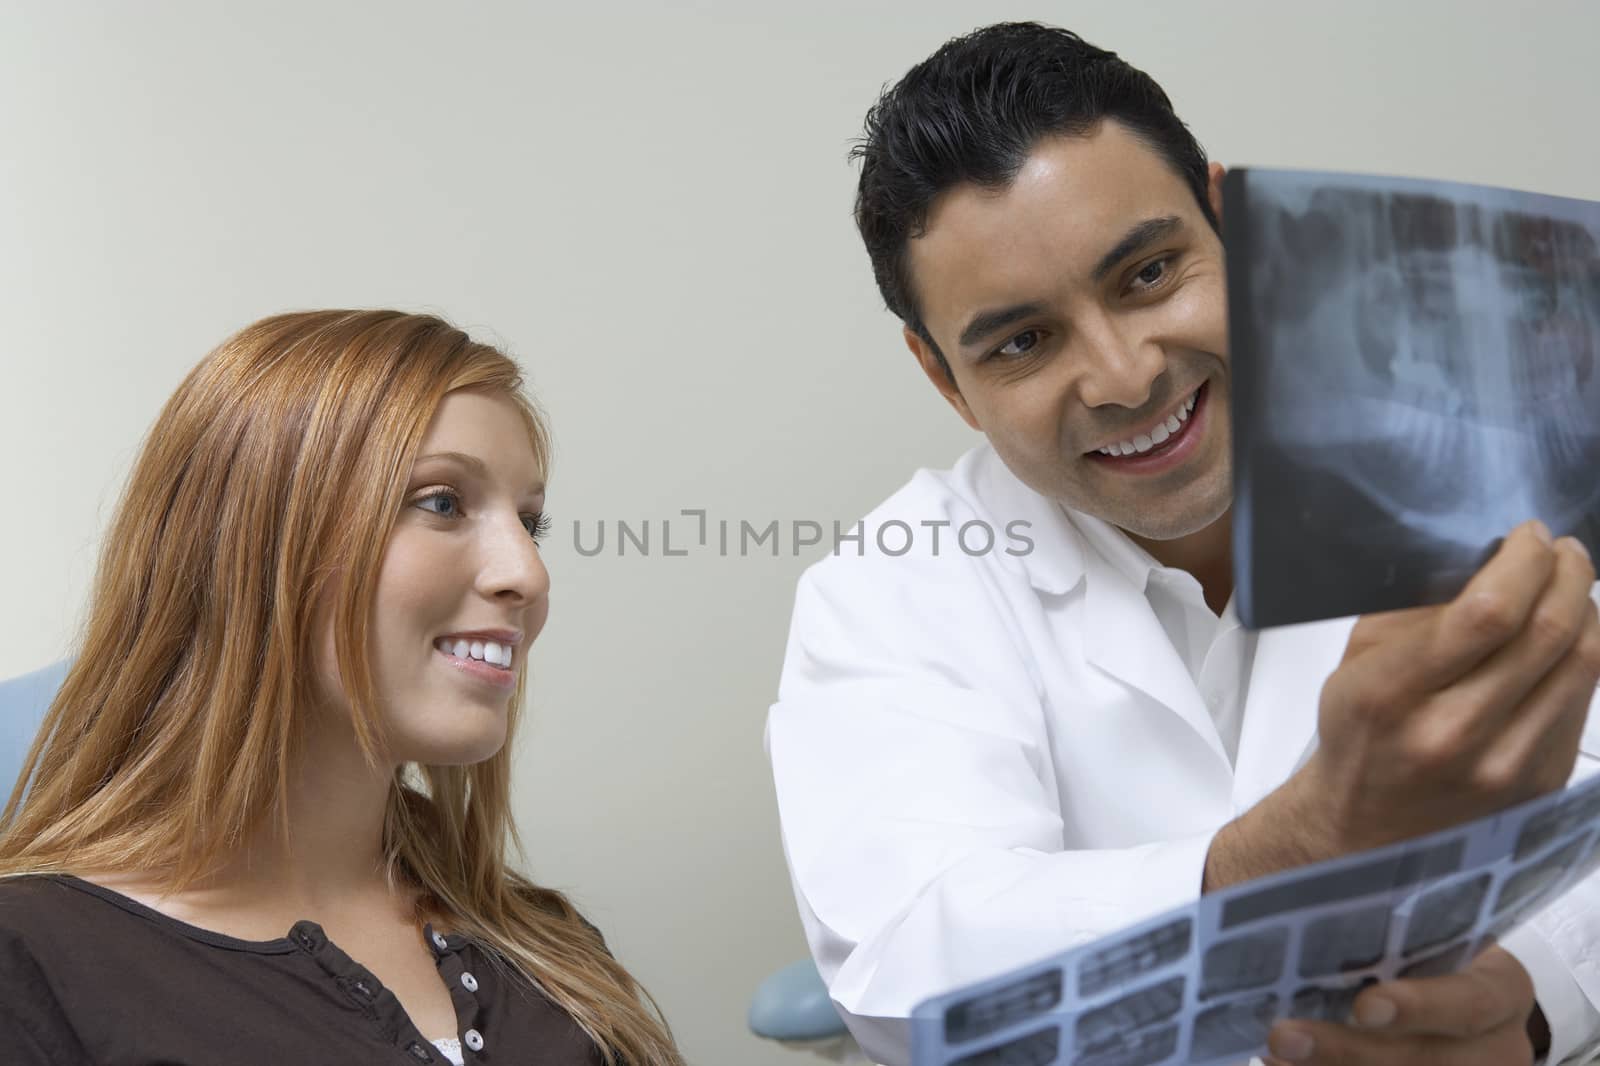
<point x="1214" y="189"/>
<point x="934" y="368"/>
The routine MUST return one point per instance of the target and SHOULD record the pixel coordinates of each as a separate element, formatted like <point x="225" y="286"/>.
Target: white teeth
<point x="484" y="650"/>
<point x="1144" y="442"/>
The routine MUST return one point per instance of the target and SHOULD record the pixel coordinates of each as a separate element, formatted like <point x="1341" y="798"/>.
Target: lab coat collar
<point x="1055" y="564"/>
<point x="1122" y="635"/>
<point x="1124" y="638"/>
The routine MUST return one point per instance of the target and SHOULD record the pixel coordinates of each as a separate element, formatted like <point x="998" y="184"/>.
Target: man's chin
<point x="1146" y="523"/>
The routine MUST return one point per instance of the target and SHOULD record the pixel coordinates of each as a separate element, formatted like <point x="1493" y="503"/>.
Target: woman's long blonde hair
<point x="269" y="486"/>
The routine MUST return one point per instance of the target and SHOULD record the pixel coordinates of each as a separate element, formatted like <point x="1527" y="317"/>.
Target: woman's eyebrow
<point x="474" y="464"/>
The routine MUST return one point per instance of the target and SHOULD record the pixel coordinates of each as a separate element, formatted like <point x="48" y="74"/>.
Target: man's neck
<point x="1206" y="553"/>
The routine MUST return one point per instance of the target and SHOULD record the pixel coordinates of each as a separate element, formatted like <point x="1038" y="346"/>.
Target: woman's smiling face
<point x="462" y="589"/>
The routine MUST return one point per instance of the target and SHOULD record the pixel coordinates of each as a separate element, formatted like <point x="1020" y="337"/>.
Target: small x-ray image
<point x="993" y="1011"/>
<point x="1327" y="1003"/>
<point x="1447" y="961"/>
<point x="1134" y="1049"/>
<point x="1243" y="962"/>
<point x="1531" y="884"/>
<point x="1444" y="914"/>
<point x="1233" y="1028"/>
<point x="1130" y="1013"/>
<point x="1557" y="821"/>
<point x="1416" y="372"/>
<point x="1121" y="962"/>
<point x="1349" y="940"/>
<point x="1035" y="1049"/>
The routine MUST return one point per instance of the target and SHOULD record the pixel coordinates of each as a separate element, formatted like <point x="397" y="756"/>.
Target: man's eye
<point x="449" y="504"/>
<point x="1021" y="344"/>
<point x="1151" y="275"/>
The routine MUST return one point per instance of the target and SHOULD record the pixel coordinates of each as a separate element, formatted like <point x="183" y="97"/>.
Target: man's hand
<point x="1438" y="715"/>
<point x="1441" y="715"/>
<point x="1477" y="1017"/>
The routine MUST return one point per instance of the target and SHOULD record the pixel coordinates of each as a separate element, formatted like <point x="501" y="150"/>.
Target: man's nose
<point x="1120" y="366"/>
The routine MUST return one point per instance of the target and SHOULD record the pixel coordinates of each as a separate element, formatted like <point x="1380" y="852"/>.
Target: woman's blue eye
<point x="447" y="504"/>
<point x="449" y="498"/>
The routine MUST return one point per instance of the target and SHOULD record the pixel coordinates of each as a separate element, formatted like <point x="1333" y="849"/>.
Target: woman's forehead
<point x="486" y="430"/>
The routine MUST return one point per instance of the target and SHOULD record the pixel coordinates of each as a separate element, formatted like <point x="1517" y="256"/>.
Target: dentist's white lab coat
<point x="983" y="760"/>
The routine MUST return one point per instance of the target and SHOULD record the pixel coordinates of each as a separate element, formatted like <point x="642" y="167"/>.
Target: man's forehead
<point x="1073" y="198"/>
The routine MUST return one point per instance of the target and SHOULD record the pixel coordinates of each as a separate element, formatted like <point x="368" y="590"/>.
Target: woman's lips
<point x="478" y="670"/>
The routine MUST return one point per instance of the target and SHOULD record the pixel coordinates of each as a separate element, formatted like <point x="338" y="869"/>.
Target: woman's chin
<point x="463" y="748"/>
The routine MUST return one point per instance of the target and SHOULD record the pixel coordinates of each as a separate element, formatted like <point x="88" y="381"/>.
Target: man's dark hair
<point x="972" y="112"/>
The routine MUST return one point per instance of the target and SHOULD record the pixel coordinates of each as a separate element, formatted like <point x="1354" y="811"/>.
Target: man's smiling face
<point x="1082" y="311"/>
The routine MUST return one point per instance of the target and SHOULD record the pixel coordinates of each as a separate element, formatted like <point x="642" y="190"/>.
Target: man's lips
<point x="1160" y="432"/>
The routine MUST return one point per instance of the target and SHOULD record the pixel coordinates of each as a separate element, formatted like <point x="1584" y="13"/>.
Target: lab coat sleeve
<point x="1560" y="947"/>
<point x="918" y="803"/>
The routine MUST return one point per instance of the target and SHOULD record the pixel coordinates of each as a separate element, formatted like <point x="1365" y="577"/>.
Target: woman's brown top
<point x="88" y="976"/>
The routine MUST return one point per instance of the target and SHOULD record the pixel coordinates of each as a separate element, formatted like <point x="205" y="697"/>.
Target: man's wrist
<point x="1283" y="831"/>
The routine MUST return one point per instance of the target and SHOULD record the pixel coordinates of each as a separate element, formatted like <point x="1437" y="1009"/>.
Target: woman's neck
<point x="329" y="848"/>
<point x="320" y="858"/>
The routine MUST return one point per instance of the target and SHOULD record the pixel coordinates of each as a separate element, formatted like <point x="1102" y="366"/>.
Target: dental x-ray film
<point x="1414" y="371"/>
<point x="1201" y="985"/>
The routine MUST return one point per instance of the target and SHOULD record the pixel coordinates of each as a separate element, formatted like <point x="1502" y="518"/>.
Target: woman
<point x="270" y="803"/>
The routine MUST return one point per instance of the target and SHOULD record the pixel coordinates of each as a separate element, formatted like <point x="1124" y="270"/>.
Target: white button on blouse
<point x="469" y="982"/>
<point x="473" y="1039"/>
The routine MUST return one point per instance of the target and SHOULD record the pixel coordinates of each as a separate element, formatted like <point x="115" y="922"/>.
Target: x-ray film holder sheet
<point x="1204" y="983"/>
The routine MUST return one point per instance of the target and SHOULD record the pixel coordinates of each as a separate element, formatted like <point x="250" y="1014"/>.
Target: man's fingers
<point x="1540" y="746"/>
<point x="1495" y="605"/>
<point x="1491" y="993"/>
<point x="1303" y="1043"/>
<point x="1426" y="648"/>
<point x="1558" y="638"/>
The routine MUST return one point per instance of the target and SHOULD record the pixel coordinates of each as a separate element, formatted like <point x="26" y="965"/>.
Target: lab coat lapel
<point x="1280" y="715"/>
<point x="1124" y="638"/>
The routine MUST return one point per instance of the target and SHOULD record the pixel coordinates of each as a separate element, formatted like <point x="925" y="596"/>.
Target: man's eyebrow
<point x="1145" y="233"/>
<point x="1141" y="235"/>
<point x="987" y="322"/>
<point x="472" y="463"/>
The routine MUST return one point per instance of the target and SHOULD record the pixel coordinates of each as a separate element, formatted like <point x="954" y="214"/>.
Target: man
<point x="983" y="757"/>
